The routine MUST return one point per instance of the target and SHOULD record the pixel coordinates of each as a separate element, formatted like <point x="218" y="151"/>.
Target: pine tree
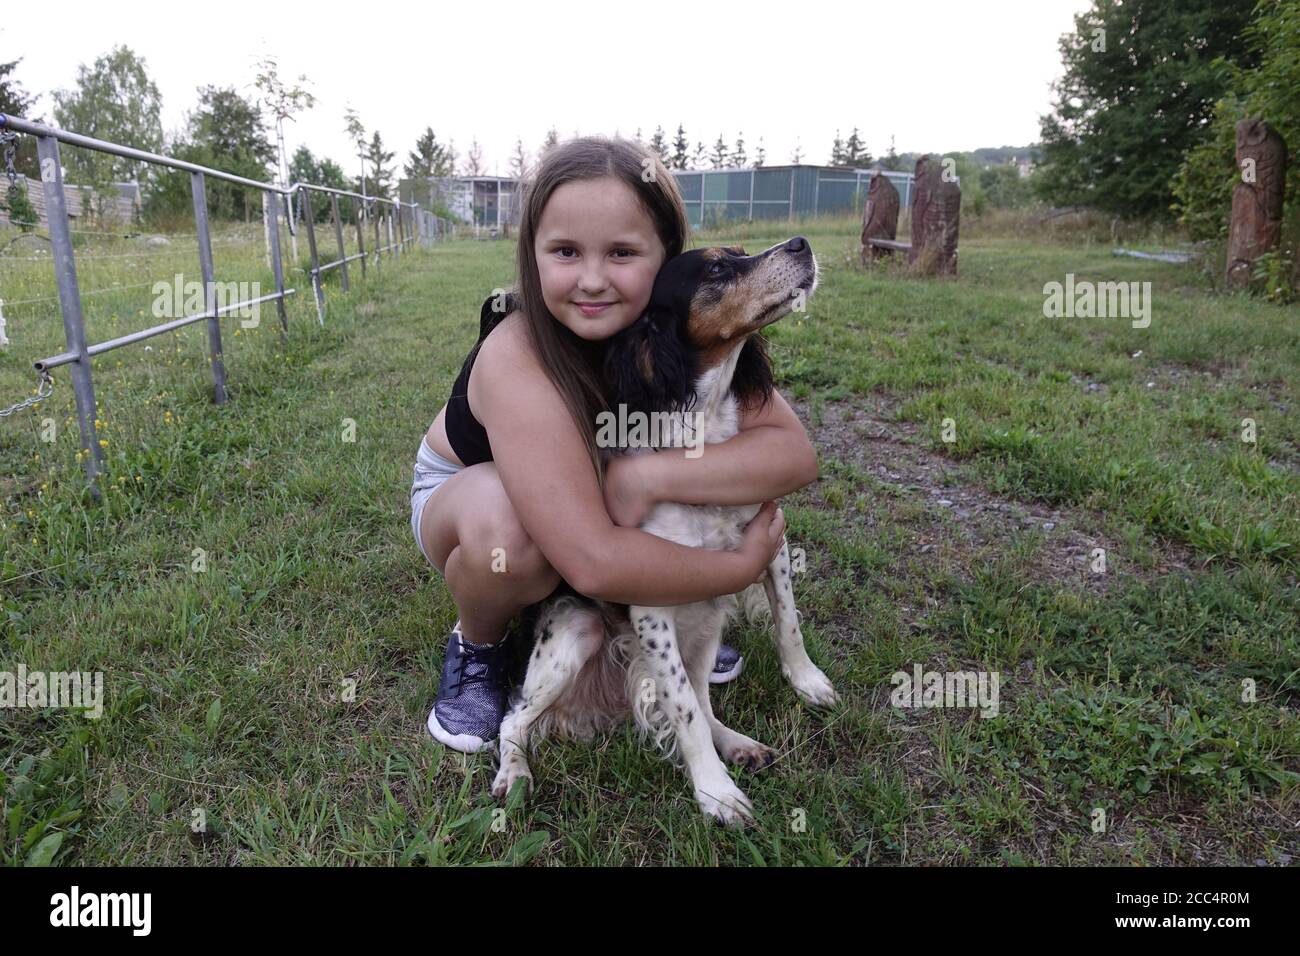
<point x="552" y="137"/>
<point x="891" y="160"/>
<point x="855" y="151"/>
<point x="700" y="156"/>
<point x="519" y="160"/>
<point x="738" y="157"/>
<point x="378" y="160"/>
<point x="837" y="150"/>
<point x="761" y="156"/>
<point x="719" y="155"/>
<point x="658" y="144"/>
<point x="474" y="161"/>
<point x="429" y="158"/>
<point x="681" y="148"/>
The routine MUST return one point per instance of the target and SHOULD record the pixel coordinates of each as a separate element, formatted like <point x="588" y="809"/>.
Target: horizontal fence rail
<point x="403" y="224"/>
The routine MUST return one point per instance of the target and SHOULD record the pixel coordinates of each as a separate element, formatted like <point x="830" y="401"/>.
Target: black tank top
<point x="468" y="438"/>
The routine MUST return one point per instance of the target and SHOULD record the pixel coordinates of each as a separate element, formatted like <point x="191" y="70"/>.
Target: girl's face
<point x="596" y="245"/>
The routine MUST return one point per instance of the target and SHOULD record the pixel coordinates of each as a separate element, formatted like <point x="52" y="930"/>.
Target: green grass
<point x="225" y="688"/>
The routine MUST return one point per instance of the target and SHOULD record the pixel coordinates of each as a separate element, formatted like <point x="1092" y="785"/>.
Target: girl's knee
<point x="501" y="545"/>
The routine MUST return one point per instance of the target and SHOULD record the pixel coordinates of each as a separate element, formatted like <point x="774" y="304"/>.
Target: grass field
<point x="1125" y="691"/>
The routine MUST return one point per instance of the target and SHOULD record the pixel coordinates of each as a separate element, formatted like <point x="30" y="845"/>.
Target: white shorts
<point x="431" y="470"/>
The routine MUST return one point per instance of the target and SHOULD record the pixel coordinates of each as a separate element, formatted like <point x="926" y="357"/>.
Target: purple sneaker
<point x="472" y="694"/>
<point x="728" y="665"/>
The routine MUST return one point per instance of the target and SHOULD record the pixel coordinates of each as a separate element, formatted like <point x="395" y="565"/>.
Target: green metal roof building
<point x="779" y="192"/>
<point x="712" y="196"/>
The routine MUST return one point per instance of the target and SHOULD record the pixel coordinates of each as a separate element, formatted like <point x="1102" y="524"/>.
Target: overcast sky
<point x="937" y="75"/>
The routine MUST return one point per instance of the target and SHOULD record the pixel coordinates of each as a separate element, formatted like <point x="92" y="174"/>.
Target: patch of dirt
<point x="961" y="521"/>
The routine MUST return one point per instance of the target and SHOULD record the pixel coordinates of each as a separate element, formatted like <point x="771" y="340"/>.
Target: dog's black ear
<point x="752" y="383"/>
<point x="495" y="308"/>
<point x="648" y="367"/>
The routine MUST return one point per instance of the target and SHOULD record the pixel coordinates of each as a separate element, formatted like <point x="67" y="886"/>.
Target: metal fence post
<point x="374" y="216"/>
<point x="209" y="287"/>
<point x="397" y="213"/>
<point x="388" y="227"/>
<point x="65" y="272"/>
<point x="277" y="267"/>
<point x="361" y="241"/>
<point x="338" y="235"/>
<point x="309" y="215"/>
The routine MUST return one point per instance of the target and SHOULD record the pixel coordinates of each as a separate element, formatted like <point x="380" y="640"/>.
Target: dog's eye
<point x="715" y="270"/>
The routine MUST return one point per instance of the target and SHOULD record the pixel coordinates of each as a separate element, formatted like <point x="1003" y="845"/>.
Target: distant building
<point x="123" y="209"/>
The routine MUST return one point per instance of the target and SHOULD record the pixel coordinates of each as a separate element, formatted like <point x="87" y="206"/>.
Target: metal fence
<point x="396" y="227"/>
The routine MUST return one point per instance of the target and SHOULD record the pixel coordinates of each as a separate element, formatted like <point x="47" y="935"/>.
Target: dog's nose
<point x="797" y="244"/>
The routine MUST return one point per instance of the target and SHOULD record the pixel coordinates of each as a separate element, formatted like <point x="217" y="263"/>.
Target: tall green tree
<point x="855" y="150"/>
<point x="837" y="150"/>
<point x="681" y="148"/>
<point x="231" y="134"/>
<point x="1137" y="93"/>
<point x="115" y="100"/>
<point x="738" y="155"/>
<point x="719" y="155"/>
<point x="659" y="144"/>
<point x="429" y="158"/>
<point x="379" y="160"/>
<point x="227" y="132"/>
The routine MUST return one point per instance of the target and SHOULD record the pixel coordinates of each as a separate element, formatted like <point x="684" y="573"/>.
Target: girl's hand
<point x="628" y="496"/>
<point x="764" y="536"/>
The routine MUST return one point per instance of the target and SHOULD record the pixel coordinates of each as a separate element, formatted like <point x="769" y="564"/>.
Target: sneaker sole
<point x="465" y="743"/>
<point x="723" y="677"/>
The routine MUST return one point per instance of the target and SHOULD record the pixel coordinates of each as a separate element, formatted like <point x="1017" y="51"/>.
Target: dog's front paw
<point x="813" y="687"/>
<point x="726" y="803"/>
<point x="749" y="754"/>
<point x="511" y="770"/>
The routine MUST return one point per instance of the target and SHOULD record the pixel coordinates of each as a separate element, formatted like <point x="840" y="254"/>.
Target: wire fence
<point x="391" y="226"/>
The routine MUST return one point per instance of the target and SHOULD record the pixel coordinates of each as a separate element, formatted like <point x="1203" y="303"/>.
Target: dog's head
<point x="707" y="303"/>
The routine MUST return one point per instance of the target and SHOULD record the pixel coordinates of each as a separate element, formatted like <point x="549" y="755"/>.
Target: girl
<point x="509" y="494"/>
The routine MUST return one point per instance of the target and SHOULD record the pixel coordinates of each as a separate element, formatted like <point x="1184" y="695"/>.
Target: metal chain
<point x="43" y="391"/>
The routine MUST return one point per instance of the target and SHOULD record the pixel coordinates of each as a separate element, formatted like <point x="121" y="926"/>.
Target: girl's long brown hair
<point x="572" y="363"/>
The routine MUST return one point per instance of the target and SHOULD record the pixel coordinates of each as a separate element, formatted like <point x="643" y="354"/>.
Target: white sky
<point x="938" y="75"/>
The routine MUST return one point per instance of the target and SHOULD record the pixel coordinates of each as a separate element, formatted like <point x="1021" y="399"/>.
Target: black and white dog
<point x="595" y="664"/>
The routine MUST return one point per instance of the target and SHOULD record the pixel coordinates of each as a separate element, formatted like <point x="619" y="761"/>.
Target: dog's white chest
<point x="716" y="527"/>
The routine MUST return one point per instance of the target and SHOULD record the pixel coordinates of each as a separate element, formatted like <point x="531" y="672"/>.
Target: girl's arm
<point x="771" y="456"/>
<point x="549" y="479"/>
